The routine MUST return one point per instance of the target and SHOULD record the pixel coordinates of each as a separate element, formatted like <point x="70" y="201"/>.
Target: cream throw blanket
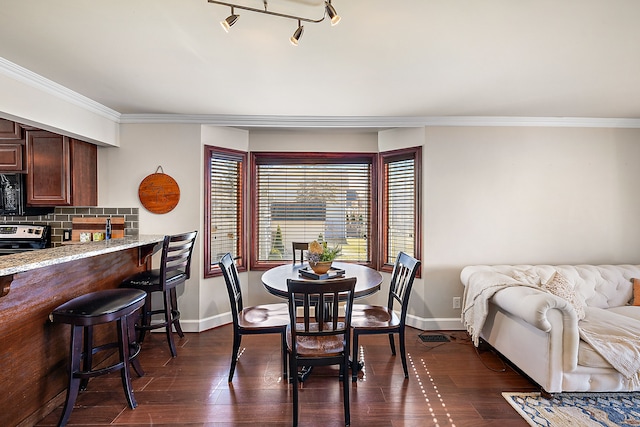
<point x="476" y="298"/>
<point x="616" y="338"/>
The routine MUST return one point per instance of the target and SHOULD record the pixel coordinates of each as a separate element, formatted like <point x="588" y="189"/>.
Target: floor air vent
<point x="433" y="338"/>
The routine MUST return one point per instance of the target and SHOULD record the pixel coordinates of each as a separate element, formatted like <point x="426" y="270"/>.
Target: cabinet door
<point x="84" y="173"/>
<point x="48" y="169"/>
<point x="11" y="157"/>
<point x="10" y="130"/>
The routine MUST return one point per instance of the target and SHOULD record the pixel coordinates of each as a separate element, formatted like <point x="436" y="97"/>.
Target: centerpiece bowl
<point x="320" y="267"/>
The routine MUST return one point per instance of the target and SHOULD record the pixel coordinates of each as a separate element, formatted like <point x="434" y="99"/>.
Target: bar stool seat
<point x="83" y="313"/>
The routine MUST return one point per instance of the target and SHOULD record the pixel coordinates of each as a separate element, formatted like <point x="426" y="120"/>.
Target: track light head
<point x="297" y="34"/>
<point x="331" y="11"/>
<point x="228" y="23"/>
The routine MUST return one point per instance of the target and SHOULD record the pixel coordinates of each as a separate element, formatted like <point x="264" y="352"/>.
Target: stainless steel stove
<point x="16" y="238"/>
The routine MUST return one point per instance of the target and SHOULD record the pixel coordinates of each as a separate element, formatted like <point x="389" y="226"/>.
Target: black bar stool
<point x="82" y="313"/>
<point x="175" y="269"/>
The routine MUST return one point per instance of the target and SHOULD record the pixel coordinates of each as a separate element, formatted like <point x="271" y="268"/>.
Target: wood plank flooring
<point x="450" y="384"/>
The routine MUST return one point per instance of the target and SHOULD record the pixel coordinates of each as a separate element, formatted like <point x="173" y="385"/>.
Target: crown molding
<point x="369" y="122"/>
<point x="32" y="79"/>
<point x="36" y="81"/>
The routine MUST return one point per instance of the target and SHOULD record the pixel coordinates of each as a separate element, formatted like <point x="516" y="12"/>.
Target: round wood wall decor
<point x="159" y="193"/>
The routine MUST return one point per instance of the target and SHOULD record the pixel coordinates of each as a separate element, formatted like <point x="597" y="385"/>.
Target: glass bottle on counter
<point x="107" y="231"/>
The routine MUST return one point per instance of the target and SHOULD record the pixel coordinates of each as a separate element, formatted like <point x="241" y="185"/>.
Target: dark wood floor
<point x="449" y="384"/>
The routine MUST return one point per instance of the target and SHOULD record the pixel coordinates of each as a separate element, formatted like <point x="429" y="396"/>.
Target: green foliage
<point x="278" y="244"/>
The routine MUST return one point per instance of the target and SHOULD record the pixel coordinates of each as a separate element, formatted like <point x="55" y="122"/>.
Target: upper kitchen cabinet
<point x="11" y="156"/>
<point x="10" y="130"/>
<point x="60" y="171"/>
<point x="11" y="147"/>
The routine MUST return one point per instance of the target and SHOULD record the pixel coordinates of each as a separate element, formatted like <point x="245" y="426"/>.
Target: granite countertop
<point x="25" y="261"/>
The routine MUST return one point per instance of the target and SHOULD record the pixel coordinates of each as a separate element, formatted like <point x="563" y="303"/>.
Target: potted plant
<point x="321" y="256"/>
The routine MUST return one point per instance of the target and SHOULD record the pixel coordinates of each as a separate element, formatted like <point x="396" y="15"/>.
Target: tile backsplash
<point x="60" y="219"/>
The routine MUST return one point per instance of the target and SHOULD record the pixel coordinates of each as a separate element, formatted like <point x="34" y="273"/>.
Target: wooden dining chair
<point x="174" y="269"/>
<point x="260" y="319"/>
<point x="320" y="343"/>
<point x="299" y="247"/>
<point x="373" y="319"/>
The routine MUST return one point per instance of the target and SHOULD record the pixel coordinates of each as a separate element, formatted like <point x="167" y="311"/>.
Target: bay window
<point x="367" y="203"/>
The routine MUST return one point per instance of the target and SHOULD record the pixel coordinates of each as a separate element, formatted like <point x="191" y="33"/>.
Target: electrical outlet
<point x="456" y="302"/>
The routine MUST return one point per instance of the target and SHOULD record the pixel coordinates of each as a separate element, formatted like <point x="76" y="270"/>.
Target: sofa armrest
<point x="548" y="313"/>
<point x="532" y="305"/>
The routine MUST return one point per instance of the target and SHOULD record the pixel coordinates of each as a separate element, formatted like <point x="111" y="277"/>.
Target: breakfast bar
<point x="34" y="351"/>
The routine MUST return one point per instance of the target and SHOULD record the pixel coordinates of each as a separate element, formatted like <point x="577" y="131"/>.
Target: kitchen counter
<point x="25" y="261"/>
<point x="34" y="351"/>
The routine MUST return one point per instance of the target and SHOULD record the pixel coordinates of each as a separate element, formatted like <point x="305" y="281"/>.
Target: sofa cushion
<point x="559" y="286"/>
<point x="636" y="291"/>
<point x="587" y="356"/>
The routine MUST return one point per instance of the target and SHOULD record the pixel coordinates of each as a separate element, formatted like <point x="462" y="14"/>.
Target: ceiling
<point x="404" y="58"/>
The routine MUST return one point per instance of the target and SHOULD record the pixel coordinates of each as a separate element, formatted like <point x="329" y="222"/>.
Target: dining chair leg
<point x="355" y="358"/>
<point x="283" y="350"/>
<point x="345" y="395"/>
<point x="237" y="338"/>
<point x="294" y="385"/>
<point x="392" y="343"/>
<point x="403" y="353"/>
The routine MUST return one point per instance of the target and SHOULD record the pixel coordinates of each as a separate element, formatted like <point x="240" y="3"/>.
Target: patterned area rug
<point x="578" y="409"/>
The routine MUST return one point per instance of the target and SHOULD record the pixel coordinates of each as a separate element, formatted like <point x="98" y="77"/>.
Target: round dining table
<point x="368" y="280"/>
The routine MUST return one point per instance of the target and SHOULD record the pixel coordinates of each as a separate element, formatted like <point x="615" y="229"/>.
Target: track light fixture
<point x="231" y="19"/>
<point x="329" y="11"/>
<point x="297" y="34"/>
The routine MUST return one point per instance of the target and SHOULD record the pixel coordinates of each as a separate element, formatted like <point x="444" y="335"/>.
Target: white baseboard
<point x="435" y="324"/>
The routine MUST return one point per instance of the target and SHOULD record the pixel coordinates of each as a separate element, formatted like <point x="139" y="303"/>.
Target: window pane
<point x="400" y="204"/>
<point x="400" y="208"/>
<point x="225" y="206"/>
<point x="302" y="202"/>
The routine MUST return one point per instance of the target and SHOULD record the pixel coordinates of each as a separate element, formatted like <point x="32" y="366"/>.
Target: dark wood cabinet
<point x="11" y="147"/>
<point x="84" y="173"/>
<point x="11" y="156"/>
<point x="10" y="130"/>
<point x="60" y="171"/>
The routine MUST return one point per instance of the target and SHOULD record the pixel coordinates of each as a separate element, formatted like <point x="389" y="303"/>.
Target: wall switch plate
<point x="66" y="235"/>
<point x="456" y="302"/>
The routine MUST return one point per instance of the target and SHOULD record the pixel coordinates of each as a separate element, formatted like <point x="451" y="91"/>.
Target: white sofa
<point x="540" y="333"/>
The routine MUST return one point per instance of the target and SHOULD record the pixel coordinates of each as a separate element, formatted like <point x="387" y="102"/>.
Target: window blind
<point x="302" y="201"/>
<point x="226" y="205"/>
<point x="400" y="207"/>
